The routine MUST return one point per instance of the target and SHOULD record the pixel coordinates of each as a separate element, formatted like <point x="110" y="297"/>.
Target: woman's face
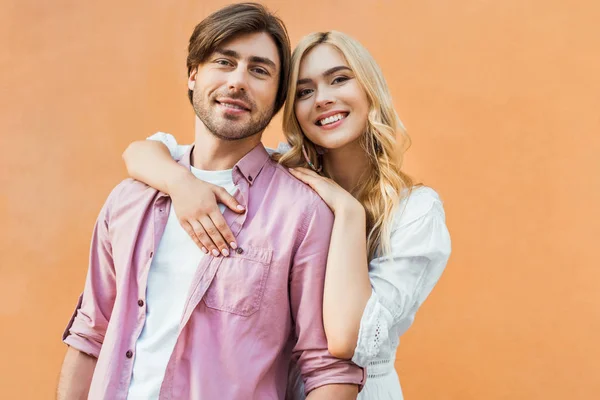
<point x="331" y="105"/>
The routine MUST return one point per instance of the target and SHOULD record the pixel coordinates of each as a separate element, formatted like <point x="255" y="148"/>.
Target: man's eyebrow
<point x="330" y="71"/>
<point x="229" y="53"/>
<point x="264" y="60"/>
<point x="255" y="59"/>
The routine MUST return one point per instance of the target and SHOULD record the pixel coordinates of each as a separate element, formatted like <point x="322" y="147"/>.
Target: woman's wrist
<point x="180" y="178"/>
<point x="350" y="208"/>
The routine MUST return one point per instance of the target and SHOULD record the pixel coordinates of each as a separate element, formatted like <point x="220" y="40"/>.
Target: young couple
<point x="242" y="275"/>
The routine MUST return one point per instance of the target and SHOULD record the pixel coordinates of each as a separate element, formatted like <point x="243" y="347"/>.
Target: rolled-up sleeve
<point x="87" y="327"/>
<point x="317" y="366"/>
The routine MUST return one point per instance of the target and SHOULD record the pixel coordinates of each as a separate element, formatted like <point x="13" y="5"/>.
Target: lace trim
<point x="373" y="332"/>
<point x="380" y="368"/>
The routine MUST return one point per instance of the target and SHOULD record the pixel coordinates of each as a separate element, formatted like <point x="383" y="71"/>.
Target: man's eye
<point x="223" y="62"/>
<point x="261" y="71"/>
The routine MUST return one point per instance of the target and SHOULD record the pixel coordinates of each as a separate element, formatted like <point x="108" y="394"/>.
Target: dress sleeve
<point x="401" y="281"/>
<point x="177" y="150"/>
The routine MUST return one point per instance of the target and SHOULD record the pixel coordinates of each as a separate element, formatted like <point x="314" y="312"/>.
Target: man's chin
<point x="236" y="118"/>
<point x="230" y="136"/>
<point x="231" y="130"/>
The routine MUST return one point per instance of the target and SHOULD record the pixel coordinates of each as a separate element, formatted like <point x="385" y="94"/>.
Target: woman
<point x="389" y="243"/>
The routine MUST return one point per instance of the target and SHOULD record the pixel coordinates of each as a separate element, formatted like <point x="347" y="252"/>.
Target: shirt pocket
<point x="240" y="281"/>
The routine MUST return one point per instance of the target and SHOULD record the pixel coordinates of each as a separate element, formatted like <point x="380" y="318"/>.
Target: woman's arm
<point x="150" y="161"/>
<point x="347" y="285"/>
<point x="362" y="312"/>
<point x="194" y="200"/>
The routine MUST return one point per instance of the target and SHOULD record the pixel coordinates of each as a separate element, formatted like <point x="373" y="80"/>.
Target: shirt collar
<point x="248" y="166"/>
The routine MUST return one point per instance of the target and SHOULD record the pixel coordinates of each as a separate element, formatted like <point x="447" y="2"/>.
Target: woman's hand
<point x="333" y="194"/>
<point x="195" y="203"/>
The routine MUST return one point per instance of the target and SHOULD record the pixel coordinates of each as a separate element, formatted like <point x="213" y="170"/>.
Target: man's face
<point x="235" y="88"/>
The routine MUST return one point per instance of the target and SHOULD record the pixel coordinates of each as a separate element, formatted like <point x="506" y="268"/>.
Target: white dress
<point x="420" y="248"/>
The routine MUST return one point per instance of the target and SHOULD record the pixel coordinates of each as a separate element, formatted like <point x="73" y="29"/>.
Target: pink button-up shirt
<point x="246" y="315"/>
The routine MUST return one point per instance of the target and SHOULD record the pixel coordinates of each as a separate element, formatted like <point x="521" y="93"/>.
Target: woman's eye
<point x="304" y="92"/>
<point x="340" y="79"/>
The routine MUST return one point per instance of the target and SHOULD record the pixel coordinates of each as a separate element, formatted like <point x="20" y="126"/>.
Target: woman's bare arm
<point x="194" y="200"/>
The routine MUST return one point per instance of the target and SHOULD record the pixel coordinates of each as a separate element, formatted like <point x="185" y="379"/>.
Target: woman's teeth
<point x="332" y="119"/>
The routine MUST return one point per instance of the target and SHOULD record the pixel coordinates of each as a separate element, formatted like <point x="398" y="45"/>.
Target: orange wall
<point x="501" y="99"/>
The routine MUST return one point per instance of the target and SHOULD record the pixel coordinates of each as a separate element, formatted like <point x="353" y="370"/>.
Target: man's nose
<point x="238" y="80"/>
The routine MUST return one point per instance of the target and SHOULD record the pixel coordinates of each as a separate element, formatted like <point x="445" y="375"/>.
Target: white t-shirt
<point x="171" y="272"/>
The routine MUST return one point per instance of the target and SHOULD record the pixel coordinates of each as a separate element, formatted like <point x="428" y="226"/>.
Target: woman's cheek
<point x="303" y="119"/>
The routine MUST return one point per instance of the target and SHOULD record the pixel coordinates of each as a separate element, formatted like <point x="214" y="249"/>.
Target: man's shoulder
<point x="129" y="192"/>
<point x="299" y="194"/>
<point x="133" y="187"/>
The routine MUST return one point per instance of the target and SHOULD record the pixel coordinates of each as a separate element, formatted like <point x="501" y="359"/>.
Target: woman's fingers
<point x="228" y="200"/>
<point x="212" y="235"/>
<point x="307" y="178"/>
<point x="325" y="187"/>
<point x="219" y="222"/>
<point x="215" y="236"/>
<point x="307" y="172"/>
<point x="196" y="232"/>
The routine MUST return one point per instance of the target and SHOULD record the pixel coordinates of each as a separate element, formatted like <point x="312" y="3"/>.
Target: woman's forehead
<point x="320" y="58"/>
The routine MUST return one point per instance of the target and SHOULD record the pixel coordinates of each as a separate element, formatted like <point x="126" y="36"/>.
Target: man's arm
<point x="87" y="328"/>
<point x="324" y="376"/>
<point x="335" y="391"/>
<point x="75" y="375"/>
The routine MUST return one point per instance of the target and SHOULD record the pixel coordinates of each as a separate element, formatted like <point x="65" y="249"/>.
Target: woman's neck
<point x="347" y="165"/>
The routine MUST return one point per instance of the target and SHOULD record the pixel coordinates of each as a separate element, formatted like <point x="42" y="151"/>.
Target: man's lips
<point x="233" y="104"/>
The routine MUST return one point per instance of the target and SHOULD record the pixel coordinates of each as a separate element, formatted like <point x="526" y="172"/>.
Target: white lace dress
<point x="420" y="247"/>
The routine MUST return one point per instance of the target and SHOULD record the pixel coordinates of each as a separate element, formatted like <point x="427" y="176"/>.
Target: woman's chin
<point x="337" y="143"/>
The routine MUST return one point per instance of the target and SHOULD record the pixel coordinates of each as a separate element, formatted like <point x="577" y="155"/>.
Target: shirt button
<point x="151" y="254"/>
<point x="249" y="178"/>
<point x="239" y="250"/>
<point x="129" y="354"/>
<point x="141" y="303"/>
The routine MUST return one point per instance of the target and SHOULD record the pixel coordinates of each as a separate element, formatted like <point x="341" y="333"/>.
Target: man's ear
<point x="192" y="78"/>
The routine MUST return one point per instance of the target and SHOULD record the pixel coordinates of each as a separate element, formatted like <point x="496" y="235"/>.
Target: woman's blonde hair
<point x="382" y="187"/>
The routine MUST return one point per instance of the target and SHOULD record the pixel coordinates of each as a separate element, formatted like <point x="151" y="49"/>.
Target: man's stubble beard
<point x="220" y="127"/>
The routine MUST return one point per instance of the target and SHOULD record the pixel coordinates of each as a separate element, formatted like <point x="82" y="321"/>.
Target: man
<point x="158" y="319"/>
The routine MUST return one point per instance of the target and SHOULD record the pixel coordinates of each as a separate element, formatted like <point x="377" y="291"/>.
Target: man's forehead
<point x="247" y="45"/>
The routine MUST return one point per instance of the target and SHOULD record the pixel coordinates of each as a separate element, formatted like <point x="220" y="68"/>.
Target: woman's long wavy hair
<point x="384" y="141"/>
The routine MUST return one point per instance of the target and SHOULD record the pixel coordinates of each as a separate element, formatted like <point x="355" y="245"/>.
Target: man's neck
<point x="214" y="154"/>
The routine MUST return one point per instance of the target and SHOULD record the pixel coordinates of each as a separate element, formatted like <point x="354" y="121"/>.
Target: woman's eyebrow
<point x="330" y="71"/>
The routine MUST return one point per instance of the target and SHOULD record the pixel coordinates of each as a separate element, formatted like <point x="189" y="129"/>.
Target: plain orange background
<point x="501" y="99"/>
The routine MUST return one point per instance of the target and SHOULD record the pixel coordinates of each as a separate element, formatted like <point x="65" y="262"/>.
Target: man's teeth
<point x="235" y="106"/>
<point x="332" y="119"/>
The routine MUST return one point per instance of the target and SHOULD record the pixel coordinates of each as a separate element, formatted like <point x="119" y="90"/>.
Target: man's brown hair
<point x="235" y="20"/>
